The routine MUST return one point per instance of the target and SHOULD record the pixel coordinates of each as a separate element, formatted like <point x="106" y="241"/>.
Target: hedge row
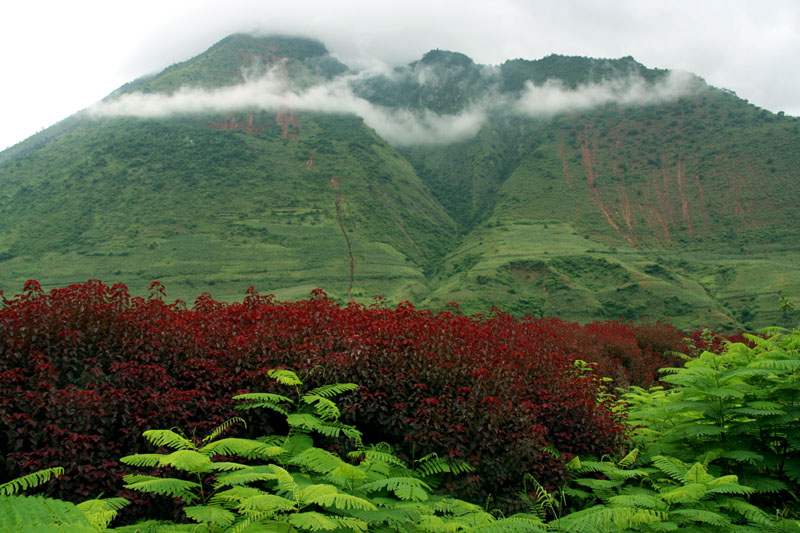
<point x="85" y="369"/>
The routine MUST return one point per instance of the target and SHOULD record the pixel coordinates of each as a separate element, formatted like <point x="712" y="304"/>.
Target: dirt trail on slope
<point x="336" y="203"/>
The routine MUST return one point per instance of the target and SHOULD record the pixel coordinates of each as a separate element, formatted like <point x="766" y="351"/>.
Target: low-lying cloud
<point x="398" y="126"/>
<point x="553" y="97"/>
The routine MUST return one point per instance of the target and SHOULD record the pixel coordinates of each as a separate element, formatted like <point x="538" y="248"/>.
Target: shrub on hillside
<point x="85" y="369"/>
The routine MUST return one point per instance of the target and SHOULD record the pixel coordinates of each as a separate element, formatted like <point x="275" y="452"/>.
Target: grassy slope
<point x="202" y="209"/>
<point x="681" y="210"/>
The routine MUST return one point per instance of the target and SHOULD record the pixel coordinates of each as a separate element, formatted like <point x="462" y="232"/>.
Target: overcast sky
<point x="59" y="57"/>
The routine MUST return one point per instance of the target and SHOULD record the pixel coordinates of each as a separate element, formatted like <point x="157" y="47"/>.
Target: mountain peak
<point x="446" y="58"/>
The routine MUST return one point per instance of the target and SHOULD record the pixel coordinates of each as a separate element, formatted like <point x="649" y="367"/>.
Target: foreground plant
<point x="20" y="513"/>
<point x="285" y="483"/>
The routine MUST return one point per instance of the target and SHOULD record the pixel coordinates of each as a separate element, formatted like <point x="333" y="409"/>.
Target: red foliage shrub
<point x="87" y="368"/>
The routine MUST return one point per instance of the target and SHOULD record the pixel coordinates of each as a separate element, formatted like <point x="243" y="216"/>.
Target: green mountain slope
<point x="582" y="188"/>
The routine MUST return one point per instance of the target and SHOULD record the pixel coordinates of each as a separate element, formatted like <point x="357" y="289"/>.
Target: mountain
<point x="568" y="186"/>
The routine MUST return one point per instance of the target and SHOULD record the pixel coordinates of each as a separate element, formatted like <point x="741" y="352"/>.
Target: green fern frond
<point x="34" y="479"/>
<point x="225" y="466"/>
<point x="206" y="514"/>
<point x="731" y="488"/>
<point x="249" y="448"/>
<point x="603" y="518"/>
<point x="175" y="488"/>
<point x="286" y="482"/>
<point x="224" y="426"/>
<point x="265" y="502"/>
<point x="329" y="496"/>
<point x="304" y="421"/>
<point x="314" y="521"/>
<point x="629" y="459"/>
<point x="743" y="456"/>
<point x="764" y="485"/>
<point x="316" y="460"/>
<point x="749" y="511"/>
<point x="101" y="512"/>
<point x="168" y="438"/>
<point x="334" y="389"/>
<point x="232" y="497"/>
<point x="674" y="468"/>
<point x="405" y="488"/>
<point x="700" y="515"/>
<point x="284" y="377"/>
<point x="691" y="492"/>
<point x="323" y="407"/>
<point x="644" y="501"/>
<point x="37" y="513"/>
<point x="345" y="474"/>
<point x="256" y="400"/>
<point x="187" y="460"/>
<point x="697" y="474"/>
<point x="142" y="459"/>
<point x="249" y="474"/>
<point x="522" y="523"/>
<point x="431" y="465"/>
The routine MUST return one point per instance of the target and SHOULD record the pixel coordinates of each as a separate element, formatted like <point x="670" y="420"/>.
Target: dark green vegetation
<point x="685" y="208"/>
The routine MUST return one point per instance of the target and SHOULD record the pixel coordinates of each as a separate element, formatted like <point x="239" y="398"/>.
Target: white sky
<point x="58" y="57"/>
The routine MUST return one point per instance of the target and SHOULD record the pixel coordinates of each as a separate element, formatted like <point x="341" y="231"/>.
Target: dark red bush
<point x="87" y="368"/>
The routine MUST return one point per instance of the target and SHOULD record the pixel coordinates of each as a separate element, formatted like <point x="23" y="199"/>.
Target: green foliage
<point x="285" y="483"/>
<point x="737" y="411"/>
<point x="20" y="513"/>
<point x="34" y="479"/>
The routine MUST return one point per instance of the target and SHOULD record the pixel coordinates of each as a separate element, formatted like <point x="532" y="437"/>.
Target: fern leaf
<point x="314" y="521"/>
<point x="206" y="514"/>
<point x="304" y="421"/>
<point x="764" y="484"/>
<point x="329" y="496"/>
<point x="101" y="512"/>
<point x="700" y="515"/>
<point x="317" y="460"/>
<point x="731" y="488"/>
<point x="643" y="501"/>
<point x="244" y="476"/>
<point x="36" y="513"/>
<point x="334" y="389"/>
<point x="697" y="474"/>
<point x="142" y="459"/>
<point x="187" y="460"/>
<point x="255" y="400"/>
<point x="34" y="479"/>
<point x="523" y="523"/>
<point x="284" y="377"/>
<point x="323" y="407"/>
<point x="226" y="466"/>
<point x="286" y="482"/>
<point x="168" y="438"/>
<point x="405" y="488"/>
<point x="784" y="365"/>
<point x="674" y="468"/>
<point x="249" y="448"/>
<point x="222" y="427"/>
<point x="743" y="456"/>
<point x="175" y="488"/>
<point x="265" y="502"/>
<point x="345" y="473"/>
<point x="629" y="459"/>
<point x="691" y="492"/>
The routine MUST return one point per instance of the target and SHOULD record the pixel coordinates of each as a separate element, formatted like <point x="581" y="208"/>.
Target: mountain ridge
<point x="623" y="201"/>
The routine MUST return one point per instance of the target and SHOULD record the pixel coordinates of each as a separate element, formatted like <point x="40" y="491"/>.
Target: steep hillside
<point x="569" y="186"/>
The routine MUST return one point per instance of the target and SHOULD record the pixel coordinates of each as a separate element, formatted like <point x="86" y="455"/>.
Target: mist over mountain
<point x="568" y="186"/>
